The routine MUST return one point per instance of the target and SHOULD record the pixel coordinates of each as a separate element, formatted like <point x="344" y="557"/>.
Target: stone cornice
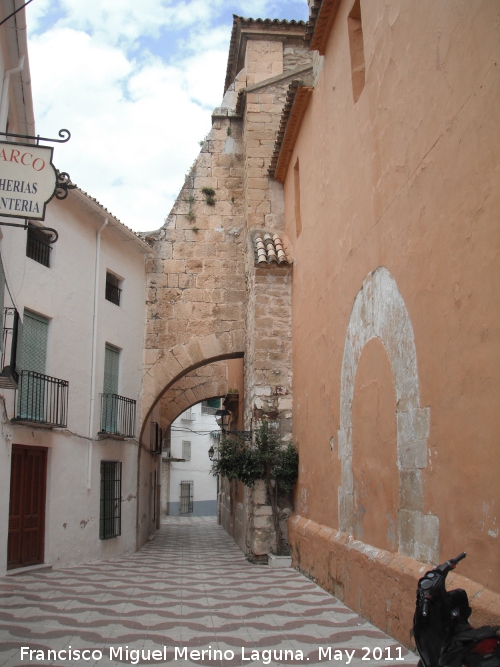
<point x="297" y="101"/>
<point x="240" y="105"/>
<point x="244" y="29"/>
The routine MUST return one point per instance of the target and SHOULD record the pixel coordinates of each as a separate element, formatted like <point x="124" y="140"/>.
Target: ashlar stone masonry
<point x="208" y="298"/>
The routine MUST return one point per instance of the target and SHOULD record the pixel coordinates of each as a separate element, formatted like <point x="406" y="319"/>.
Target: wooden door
<point x="27" y="506"/>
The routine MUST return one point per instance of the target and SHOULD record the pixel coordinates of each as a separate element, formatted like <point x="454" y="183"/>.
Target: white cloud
<point x="135" y="119"/>
<point x="124" y="21"/>
<point x="135" y="125"/>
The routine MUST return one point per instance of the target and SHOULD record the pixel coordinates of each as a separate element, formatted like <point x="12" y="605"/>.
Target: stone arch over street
<point x="201" y="384"/>
<point x="379" y="311"/>
<point x="204" y="380"/>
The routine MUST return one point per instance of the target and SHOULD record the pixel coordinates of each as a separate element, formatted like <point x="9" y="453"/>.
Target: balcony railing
<point x="207" y="410"/>
<point x="117" y="415"/>
<point x="12" y="336"/>
<point x="42" y="400"/>
<point x="189" y="415"/>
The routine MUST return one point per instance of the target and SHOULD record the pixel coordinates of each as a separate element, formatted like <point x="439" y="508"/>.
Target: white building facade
<point x="188" y="487"/>
<point x="81" y="303"/>
<point x="73" y="317"/>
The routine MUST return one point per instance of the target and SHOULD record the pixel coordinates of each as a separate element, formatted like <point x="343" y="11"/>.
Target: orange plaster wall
<point x="374" y="456"/>
<point x="406" y="178"/>
<point x="377" y="584"/>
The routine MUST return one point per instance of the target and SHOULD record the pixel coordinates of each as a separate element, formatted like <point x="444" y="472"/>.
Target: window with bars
<point x="186" y="450"/>
<point x="113" y="291"/>
<point x="110" y="523"/>
<point x="37" y="246"/>
<point x="186" y="504"/>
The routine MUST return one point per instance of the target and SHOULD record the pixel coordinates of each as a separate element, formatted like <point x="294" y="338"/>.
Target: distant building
<point x="188" y="487"/>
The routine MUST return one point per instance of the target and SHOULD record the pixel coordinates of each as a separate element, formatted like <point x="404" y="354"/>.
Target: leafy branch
<point x="266" y="459"/>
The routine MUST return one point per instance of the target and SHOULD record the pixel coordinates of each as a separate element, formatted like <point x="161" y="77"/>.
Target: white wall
<point x="64" y="293"/>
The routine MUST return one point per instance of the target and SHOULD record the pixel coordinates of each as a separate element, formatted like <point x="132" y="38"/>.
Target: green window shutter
<point x="34" y="350"/>
<point x="111" y="368"/>
<point x="214" y="403"/>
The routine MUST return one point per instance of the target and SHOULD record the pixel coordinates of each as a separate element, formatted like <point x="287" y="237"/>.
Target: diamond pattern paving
<point x="191" y="588"/>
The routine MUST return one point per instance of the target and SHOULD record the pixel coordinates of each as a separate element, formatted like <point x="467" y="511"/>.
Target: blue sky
<point x="135" y="83"/>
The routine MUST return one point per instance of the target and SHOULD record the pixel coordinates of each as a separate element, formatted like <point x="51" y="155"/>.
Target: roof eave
<point x="321" y="19"/>
<point x="298" y="98"/>
<point x="93" y="204"/>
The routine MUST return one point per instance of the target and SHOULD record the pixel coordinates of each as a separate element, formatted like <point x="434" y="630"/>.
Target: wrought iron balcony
<point x="42" y="400"/>
<point x="189" y="415"/>
<point x="117" y="416"/>
<point x="12" y="336"/>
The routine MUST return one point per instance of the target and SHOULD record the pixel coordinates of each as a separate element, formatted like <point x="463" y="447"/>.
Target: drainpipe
<point x="4" y="104"/>
<point x="94" y="353"/>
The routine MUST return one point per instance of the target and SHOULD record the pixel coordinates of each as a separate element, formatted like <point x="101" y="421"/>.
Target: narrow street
<point x="190" y="587"/>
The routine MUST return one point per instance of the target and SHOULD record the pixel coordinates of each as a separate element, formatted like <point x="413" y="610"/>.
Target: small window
<point x="38" y="246"/>
<point x="186" y="504"/>
<point x="355" y="29"/>
<point x="186" y="450"/>
<point x="296" y="185"/>
<point x="110" y="523"/>
<point x="113" y="291"/>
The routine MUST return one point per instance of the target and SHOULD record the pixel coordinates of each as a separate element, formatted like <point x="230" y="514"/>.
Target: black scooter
<point x="443" y="635"/>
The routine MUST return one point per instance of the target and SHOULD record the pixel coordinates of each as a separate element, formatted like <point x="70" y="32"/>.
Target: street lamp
<point x="222" y="418"/>
<point x="211" y="453"/>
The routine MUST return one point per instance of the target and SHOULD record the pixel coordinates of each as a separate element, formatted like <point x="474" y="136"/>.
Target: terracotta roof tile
<point x="268" y="249"/>
<point x="322" y="14"/>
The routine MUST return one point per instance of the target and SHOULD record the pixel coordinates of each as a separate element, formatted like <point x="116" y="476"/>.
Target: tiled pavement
<point x="190" y="587"/>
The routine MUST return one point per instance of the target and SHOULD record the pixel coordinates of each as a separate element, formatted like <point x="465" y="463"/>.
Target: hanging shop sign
<point x="28" y="180"/>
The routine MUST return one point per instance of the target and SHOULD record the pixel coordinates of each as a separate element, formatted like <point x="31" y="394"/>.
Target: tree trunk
<point x="273" y="497"/>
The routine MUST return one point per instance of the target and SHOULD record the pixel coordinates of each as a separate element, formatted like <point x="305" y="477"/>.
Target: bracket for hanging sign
<point x="66" y="134"/>
<point x="26" y="225"/>
<point x="28" y="178"/>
